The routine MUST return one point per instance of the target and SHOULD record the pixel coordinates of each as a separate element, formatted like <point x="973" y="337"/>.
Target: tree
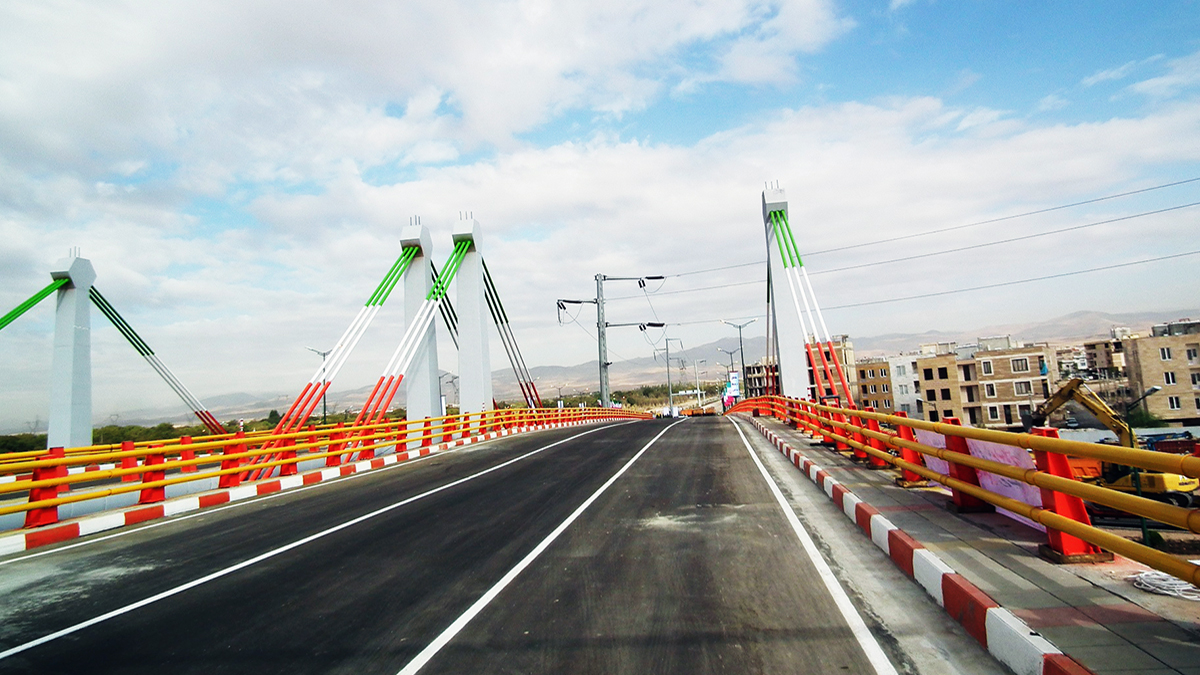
<point x="273" y="417"/>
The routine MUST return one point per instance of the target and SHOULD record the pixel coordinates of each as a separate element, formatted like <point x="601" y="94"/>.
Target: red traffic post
<point x="153" y="495"/>
<point x="873" y="425"/>
<point x="962" y="502"/>
<point x="909" y="455"/>
<point x="46" y="515"/>
<point x="232" y="480"/>
<point x="1061" y="547"/>
<point x="187" y="453"/>
<point x="336" y="446"/>
<point x="857" y="454"/>
<point x="128" y="462"/>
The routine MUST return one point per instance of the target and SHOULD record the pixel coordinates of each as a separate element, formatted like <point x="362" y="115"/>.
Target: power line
<point x="693" y="290"/>
<point x="1004" y="241"/>
<point x="718" y="269"/>
<point x="1003" y="218"/>
<point x="1014" y="283"/>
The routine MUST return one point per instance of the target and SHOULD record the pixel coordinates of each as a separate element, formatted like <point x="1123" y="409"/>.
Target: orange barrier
<point x="1068" y="528"/>
<point x="46" y="481"/>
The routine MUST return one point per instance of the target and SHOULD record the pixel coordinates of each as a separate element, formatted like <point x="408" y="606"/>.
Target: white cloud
<point x="1183" y="73"/>
<point x="145" y="136"/>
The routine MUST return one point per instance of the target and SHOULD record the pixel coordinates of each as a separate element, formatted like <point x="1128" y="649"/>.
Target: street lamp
<point x="1137" y="472"/>
<point x="696" y="370"/>
<point x="741" y="350"/>
<point x="324" y="403"/>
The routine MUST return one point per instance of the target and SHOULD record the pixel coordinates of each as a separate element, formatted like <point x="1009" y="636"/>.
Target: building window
<point x="1173" y="402"/>
<point x="874" y="389"/>
<point x="1022" y="388"/>
<point x="884" y="388"/>
<point x="933" y="416"/>
<point x="864" y="389"/>
<point x="1168" y="377"/>
<point x="945" y="394"/>
<point x="947" y="414"/>
<point x="862" y="374"/>
<point x="929" y="373"/>
<point x="1020" y="365"/>
<point x="986" y="367"/>
<point x="887" y="403"/>
<point x="883" y="372"/>
<point x="930" y="395"/>
<point x="1193" y="353"/>
<point x="993" y="412"/>
<point x="1196" y="379"/>
<point x="989" y="390"/>
<point x="900" y="371"/>
<point x="871" y="373"/>
<point x="1164" y="353"/>
<point x="942" y="374"/>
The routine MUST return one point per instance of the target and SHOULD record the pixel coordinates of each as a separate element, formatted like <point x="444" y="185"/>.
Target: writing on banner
<point x="933" y="440"/>
<point x="1002" y="485"/>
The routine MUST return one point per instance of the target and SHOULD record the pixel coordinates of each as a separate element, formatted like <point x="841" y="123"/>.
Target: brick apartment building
<point x="1168" y="358"/>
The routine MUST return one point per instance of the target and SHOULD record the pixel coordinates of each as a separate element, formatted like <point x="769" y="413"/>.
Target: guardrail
<point x="46" y="478"/>
<point x="1068" y="526"/>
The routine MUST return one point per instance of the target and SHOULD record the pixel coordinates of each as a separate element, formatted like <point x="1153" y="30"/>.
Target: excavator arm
<point x="1077" y="391"/>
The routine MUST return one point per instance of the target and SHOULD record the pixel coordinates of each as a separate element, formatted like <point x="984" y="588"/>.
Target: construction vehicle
<point x="1165" y="487"/>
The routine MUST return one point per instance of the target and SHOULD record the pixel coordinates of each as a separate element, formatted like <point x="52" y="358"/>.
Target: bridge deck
<point x="685" y="563"/>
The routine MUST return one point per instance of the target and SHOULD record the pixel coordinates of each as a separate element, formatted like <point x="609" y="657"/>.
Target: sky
<point x="238" y="172"/>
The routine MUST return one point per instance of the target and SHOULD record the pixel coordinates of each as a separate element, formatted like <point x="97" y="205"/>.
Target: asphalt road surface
<point x="648" y="547"/>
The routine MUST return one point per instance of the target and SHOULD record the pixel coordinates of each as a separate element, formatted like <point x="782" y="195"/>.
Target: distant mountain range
<point x="627" y="374"/>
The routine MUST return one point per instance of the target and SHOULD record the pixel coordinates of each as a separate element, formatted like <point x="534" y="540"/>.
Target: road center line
<point x="461" y="622"/>
<point x="287" y="547"/>
<point x="867" y="641"/>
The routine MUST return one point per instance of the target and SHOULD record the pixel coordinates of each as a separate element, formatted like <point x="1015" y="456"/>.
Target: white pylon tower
<point x="422" y="389"/>
<point x="474" y="356"/>
<point x="801" y="336"/>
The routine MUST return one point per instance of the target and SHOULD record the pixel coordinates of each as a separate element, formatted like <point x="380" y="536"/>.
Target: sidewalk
<point x="1089" y="612"/>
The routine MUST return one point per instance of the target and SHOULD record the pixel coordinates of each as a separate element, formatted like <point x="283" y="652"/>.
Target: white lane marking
<point x="232" y="505"/>
<point x="867" y="641"/>
<point x="461" y="622"/>
<point x="283" y="549"/>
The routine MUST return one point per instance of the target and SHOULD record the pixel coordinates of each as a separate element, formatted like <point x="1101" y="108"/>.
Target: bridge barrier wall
<point x="999" y="631"/>
<point x="837" y="425"/>
<point x="96" y="478"/>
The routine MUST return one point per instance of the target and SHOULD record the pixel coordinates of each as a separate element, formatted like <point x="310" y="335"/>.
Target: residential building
<point x="761" y="378"/>
<point x="1010" y="382"/>
<point x="1107" y="357"/>
<point x="906" y="386"/>
<point x="938" y="376"/>
<point x="874" y="388"/>
<point x="1169" y="358"/>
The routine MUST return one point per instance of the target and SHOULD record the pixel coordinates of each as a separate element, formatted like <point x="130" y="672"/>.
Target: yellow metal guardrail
<point x="828" y="421"/>
<point x="236" y="457"/>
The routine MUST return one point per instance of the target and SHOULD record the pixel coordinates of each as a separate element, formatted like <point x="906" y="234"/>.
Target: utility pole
<point x="602" y="342"/>
<point x="602" y="326"/>
<point x="670" y="391"/>
<point x="696" y="370"/>
<point x="741" y="351"/>
<point x="324" y="402"/>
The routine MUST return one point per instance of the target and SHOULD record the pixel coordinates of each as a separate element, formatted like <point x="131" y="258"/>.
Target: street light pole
<point x="324" y="403"/>
<point x="741" y="349"/>
<point x="696" y="370"/>
<point x="1137" y="473"/>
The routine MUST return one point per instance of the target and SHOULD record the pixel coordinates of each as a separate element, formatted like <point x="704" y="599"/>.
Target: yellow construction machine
<point x="1165" y="487"/>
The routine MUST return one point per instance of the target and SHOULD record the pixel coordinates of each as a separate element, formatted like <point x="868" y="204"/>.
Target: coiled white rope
<point x="1162" y="583"/>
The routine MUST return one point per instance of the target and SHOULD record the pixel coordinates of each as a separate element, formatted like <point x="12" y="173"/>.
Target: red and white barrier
<point x="1005" y="636"/>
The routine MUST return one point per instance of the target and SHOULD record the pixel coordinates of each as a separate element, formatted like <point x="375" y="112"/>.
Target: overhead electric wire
<point x="946" y="229"/>
<point x="1003" y="218"/>
<point x="691" y="290"/>
<point x="1005" y="241"/>
<point x="1017" y="281"/>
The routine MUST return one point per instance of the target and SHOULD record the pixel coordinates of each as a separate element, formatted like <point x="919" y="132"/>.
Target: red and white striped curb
<point x="1005" y="636"/>
<point x="53" y="534"/>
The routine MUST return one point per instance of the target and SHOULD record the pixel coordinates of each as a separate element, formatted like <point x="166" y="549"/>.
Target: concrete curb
<point x="998" y="630"/>
<point x="80" y="527"/>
